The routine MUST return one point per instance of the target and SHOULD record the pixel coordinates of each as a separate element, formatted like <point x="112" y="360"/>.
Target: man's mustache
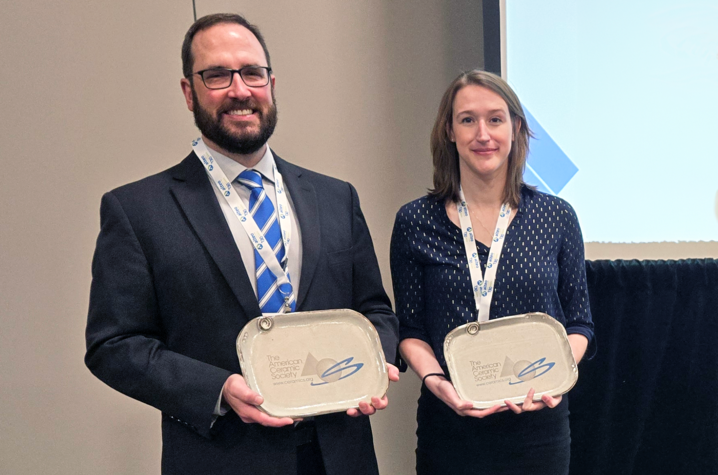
<point x="237" y="105"/>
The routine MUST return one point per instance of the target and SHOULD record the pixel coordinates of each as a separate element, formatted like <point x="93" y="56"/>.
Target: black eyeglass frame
<point x="231" y="76"/>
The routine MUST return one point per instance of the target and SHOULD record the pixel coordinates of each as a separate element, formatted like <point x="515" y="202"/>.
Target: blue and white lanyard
<point x="483" y="285"/>
<point x="247" y="220"/>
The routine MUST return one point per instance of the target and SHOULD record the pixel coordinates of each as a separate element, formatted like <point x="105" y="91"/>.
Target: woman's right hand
<point x="419" y="355"/>
<point x="444" y="390"/>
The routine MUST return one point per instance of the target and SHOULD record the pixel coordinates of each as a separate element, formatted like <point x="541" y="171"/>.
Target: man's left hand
<point x="377" y="403"/>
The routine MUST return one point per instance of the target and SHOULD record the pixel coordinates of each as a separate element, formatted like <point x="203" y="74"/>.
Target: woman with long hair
<point x="479" y="144"/>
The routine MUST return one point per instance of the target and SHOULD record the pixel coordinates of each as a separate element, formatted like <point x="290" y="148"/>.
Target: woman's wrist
<point x="442" y="375"/>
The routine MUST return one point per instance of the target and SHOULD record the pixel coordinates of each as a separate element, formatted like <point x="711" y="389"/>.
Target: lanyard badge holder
<point x="224" y="186"/>
<point x="491" y="361"/>
<point x="301" y="363"/>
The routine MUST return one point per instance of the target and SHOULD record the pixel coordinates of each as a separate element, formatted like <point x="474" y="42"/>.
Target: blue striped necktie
<point x="269" y="295"/>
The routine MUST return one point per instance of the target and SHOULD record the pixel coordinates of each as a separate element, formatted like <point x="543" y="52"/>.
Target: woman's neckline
<point x="457" y="228"/>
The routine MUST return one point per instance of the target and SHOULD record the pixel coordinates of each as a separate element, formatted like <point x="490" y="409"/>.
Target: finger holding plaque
<point x="311" y="363"/>
<point x="509" y="358"/>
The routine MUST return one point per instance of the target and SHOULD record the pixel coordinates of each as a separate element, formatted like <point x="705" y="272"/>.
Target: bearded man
<point x="176" y="277"/>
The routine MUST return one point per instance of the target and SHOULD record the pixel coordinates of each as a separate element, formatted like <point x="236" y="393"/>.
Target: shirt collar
<point x="232" y="169"/>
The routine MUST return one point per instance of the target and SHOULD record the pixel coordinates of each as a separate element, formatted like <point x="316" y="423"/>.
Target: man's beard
<point x="242" y="142"/>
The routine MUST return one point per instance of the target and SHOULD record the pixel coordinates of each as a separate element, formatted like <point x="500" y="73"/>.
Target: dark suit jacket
<point x="170" y="294"/>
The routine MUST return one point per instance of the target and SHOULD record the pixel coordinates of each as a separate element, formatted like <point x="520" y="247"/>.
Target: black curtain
<point x="647" y="403"/>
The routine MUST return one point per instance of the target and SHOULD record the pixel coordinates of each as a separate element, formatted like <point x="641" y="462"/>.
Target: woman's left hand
<point x="531" y="405"/>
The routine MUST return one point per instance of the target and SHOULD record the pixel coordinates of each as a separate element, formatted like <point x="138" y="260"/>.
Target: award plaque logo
<point x="523" y="370"/>
<point x="326" y="370"/>
<point x="329" y="370"/>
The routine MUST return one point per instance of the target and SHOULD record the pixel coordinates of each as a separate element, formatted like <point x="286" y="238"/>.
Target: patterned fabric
<point x="260" y="206"/>
<point x="542" y="269"/>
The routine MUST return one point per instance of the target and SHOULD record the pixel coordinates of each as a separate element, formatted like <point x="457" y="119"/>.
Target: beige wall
<point x="91" y="100"/>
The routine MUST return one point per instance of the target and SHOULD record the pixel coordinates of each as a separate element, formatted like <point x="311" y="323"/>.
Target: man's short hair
<point x="208" y="21"/>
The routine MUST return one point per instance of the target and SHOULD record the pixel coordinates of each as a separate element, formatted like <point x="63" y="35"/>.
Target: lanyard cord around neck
<point x="245" y="217"/>
<point x="483" y="285"/>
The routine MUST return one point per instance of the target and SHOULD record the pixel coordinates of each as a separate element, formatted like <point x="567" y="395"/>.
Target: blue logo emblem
<point x="330" y="370"/>
<point x="526" y="370"/>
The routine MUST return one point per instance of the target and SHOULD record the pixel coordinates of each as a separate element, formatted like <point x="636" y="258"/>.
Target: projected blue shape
<point x="531" y="178"/>
<point x="547" y="167"/>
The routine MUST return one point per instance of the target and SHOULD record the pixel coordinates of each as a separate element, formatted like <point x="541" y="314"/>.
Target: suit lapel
<point x="195" y="196"/>
<point x="304" y="198"/>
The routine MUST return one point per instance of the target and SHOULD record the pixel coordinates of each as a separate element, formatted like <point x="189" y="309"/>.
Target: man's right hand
<point x="244" y="402"/>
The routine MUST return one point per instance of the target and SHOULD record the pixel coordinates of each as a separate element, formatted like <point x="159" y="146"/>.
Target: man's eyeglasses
<point x="221" y="78"/>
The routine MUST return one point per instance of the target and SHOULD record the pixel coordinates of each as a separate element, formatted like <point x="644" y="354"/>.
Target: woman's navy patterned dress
<point x="542" y="269"/>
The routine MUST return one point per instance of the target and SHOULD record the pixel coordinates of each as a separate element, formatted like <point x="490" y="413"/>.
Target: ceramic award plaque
<point x="503" y="359"/>
<point x="310" y="363"/>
